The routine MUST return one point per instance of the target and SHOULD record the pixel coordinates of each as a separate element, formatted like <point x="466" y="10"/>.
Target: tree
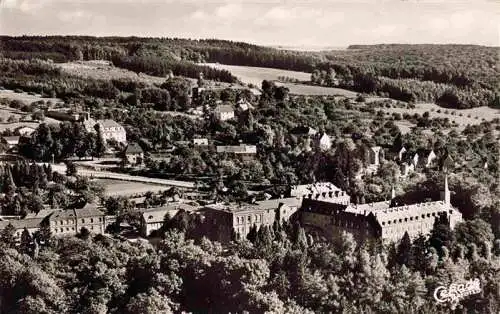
<point x="474" y="231"/>
<point x="404" y="250"/>
<point x="71" y="169"/>
<point x="7" y="236"/>
<point x="26" y="246"/>
<point x="100" y="144"/>
<point x="150" y="303"/>
<point x="441" y="235"/>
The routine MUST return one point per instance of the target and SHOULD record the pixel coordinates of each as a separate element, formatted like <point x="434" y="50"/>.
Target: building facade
<point x="384" y="220"/>
<point x="224" y="112"/>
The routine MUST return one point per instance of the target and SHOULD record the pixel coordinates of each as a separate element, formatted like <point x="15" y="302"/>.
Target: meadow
<point x="255" y="76"/>
<point x="125" y="188"/>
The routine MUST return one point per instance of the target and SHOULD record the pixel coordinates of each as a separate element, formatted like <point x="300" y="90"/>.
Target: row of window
<point x="410" y="228"/>
<point x="61" y="230"/>
<point x="423" y="216"/>
<point x="241" y="219"/>
<point x="72" y="221"/>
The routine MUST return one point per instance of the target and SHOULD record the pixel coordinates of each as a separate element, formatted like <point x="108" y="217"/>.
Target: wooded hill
<point x="457" y="76"/>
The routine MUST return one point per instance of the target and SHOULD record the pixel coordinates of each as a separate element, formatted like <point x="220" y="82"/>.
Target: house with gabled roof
<point x="134" y="154"/>
<point x="224" y="112"/>
<point x="153" y="219"/>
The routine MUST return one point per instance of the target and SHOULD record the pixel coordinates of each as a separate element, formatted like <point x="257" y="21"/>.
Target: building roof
<point x="109" y="124"/>
<point x="238" y="149"/>
<point x="275" y="203"/>
<point x="224" y="108"/>
<point x="89" y="210"/>
<point x="63" y="214"/>
<point x="41" y="214"/>
<point x="402" y="212"/>
<point x="19" y="224"/>
<point x="133" y="148"/>
<point x="318" y="187"/>
<point x="25" y="127"/>
<point x="158" y="214"/>
<point x="369" y="207"/>
<point x="12" y="139"/>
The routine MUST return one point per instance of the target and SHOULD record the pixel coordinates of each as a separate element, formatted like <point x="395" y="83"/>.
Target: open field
<point x="255" y="75"/>
<point x="124" y="188"/>
<point x="25" y="97"/>
<point x="311" y="90"/>
<point x="461" y="117"/>
<point x="104" y="71"/>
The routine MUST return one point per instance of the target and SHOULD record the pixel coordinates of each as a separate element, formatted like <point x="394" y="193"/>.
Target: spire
<point x="446" y="192"/>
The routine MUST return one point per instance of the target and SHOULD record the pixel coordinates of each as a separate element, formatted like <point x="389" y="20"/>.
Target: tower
<point x="445" y="194"/>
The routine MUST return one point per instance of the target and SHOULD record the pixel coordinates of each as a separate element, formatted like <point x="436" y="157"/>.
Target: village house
<point x="200" y="141"/>
<point x="65" y="114"/>
<point x="224" y="112"/>
<point x="110" y="129"/>
<point x="153" y="219"/>
<point x="134" y="154"/>
<point x="244" y="105"/>
<point x="25" y="131"/>
<point x="324" y="142"/>
<point x="12" y="141"/>
<point x="426" y="157"/>
<point x="71" y="221"/>
<point x="30" y="224"/>
<point x="242" y="149"/>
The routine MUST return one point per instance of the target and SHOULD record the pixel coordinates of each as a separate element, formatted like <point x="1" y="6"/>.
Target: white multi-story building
<point x="110" y="129"/>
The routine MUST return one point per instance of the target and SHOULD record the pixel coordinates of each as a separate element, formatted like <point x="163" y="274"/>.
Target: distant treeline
<point x="136" y="55"/>
<point x="458" y="76"/>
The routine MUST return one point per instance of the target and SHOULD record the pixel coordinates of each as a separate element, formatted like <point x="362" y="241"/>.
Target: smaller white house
<point x="244" y="105"/>
<point x="224" y="112"/>
<point x="25" y="131"/>
<point x="238" y="149"/>
<point x="153" y="219"/>
<point x="200" y="141"/>
<point x="12" y="141"/>
<point x="325" y="142"/>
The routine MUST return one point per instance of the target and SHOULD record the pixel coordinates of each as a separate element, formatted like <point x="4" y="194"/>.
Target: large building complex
<point x="384" y="220"/>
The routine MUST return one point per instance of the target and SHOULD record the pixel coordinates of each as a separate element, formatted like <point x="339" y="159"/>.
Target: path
<point x="61" y="168"/>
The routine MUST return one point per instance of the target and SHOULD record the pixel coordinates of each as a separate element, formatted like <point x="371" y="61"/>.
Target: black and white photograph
<point x="249" y="156"/>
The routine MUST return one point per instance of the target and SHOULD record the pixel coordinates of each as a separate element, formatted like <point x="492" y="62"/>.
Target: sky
<point x="310" y="23"/>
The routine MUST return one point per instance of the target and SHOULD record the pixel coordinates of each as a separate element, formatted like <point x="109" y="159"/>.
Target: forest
<point x="457" y="76"/>
<point x="279" y="269"/>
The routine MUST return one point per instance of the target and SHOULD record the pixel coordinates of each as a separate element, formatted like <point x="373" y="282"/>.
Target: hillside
<point x="455" y="76"/>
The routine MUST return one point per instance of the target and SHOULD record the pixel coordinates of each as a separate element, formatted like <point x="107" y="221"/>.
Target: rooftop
<point x="133" y="148"/>
<point x="12" y="139"/>
<point x="158" y="214"/>
<point x="22" y="223"/>
<point x="109" y="124"/>
<point x="224" y="108"/>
